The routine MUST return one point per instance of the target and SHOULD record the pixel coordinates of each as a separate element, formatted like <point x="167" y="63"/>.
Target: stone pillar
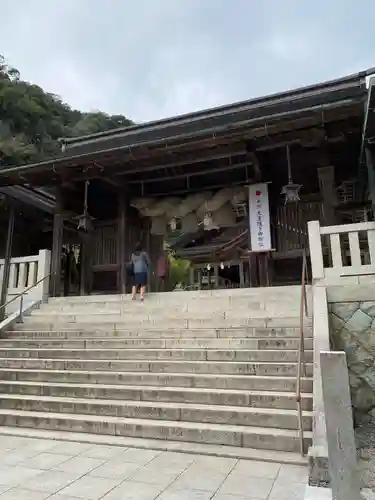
<point x="318" y="453"/>
<point x="44" y="268"/>
<point x="342" y="453"/>
<point x="316" y="255"/>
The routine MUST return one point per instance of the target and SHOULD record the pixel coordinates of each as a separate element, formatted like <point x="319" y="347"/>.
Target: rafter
<point x="212" y="170"/>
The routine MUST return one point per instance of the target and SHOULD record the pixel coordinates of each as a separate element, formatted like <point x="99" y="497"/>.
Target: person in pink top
<point x="162" y="269"/>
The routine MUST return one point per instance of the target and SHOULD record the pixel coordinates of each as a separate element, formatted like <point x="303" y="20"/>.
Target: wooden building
<point x="317" y="137"/>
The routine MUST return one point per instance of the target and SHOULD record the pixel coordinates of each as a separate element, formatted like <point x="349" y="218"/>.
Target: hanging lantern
<point x="207" y="220"/>
<point x="173" y="224"/>
<point x="290" y="190"/>
<point x="85" y="220"/>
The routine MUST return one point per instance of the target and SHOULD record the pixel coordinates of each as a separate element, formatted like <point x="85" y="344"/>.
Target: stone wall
<point x="352" y="329"/>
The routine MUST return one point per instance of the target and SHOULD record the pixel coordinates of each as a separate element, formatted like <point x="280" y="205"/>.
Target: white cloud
<point x="149" y="59"/>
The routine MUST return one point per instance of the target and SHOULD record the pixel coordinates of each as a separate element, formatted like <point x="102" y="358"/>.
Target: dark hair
<point x="138" y="247"/>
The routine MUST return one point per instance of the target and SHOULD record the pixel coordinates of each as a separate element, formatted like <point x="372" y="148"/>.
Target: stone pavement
<point x="37" y="469"/>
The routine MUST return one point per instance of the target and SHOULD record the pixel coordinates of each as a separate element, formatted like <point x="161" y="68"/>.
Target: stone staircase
<point x="214" y="368"/>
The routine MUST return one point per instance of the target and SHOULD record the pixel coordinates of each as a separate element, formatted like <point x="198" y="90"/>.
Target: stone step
<point x="24" y="331"/>
<point x="207" y="296"/>
<point x="177" y="321"/>
<point x="38" y="325"/>
<point x="255" y="399"/>
<point x="154" y="304"/>
<point x="147" y="343"/>
<point x="234" y="452"/>
<point x="271" y="355"/>
<point x="166" y="314"/>
<point x="197" y="312"/>
<point x="216" y="367"/>
<point x="230" y="435"/>
<point x="147" y="308"/>
<point x="264" y="292"/>
<point x="157" y="366"/>
<point x="217" y="381"/>
<point x="185" y="412"/>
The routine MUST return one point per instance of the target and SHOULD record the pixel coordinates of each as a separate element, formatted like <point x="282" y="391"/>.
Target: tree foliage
<point x="32" y="121"/>
<point x="179" y="271"/>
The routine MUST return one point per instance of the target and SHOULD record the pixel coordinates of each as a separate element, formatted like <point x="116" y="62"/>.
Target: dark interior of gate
<point x="312" y="138"/>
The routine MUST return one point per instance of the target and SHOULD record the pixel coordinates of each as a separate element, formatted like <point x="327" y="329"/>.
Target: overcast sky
<point x="149" y="59"/>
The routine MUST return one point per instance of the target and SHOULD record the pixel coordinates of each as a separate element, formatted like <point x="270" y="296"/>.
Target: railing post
<point x="342" y="453"/>
<point x="21" y="309"/>
<point x="44" y="265"/>
<point x="316" y="253"/>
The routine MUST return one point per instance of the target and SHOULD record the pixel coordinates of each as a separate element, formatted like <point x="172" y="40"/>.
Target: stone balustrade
<point x="25" y="272"/>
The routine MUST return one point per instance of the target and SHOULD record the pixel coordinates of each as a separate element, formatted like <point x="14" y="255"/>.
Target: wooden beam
<point x="119" y="160"/>
<point x="190" y="190"/>
<point x="113" y="182"/>
<point x="212" y="170"/>
<point x="189" y="160"/>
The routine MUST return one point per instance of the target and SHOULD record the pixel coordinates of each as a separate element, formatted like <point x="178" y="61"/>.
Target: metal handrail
<point x="24" y="292"/>
<point x="301" y="368"/>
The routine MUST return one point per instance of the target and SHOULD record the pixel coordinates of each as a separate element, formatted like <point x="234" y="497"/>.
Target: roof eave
<point x="206" y="113"/>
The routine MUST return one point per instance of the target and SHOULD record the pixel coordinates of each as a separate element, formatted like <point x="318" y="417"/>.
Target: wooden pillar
<point x="7" y="259"/>
<point x="371" y="177"/>
<point x="242" y="274"/>
<point x="326" y="177"/>
<point x="57" y="239"/>
<point x="192" y="275"/>
<point x="216" y="275"/>
<point x="253" y="266"/>
<point x="252" y="260"/>
<point x="263" y="263"/>
<point x="147" y="246"/>
<point x="121" y="280"/>
<point x="83" y="281"/>
<point x="82" y="271"/>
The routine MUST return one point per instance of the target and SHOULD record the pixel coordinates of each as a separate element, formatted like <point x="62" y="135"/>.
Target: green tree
<point x="7" y="72"/>
<point x="179" y="270"/>
<point x="32" y="121"/>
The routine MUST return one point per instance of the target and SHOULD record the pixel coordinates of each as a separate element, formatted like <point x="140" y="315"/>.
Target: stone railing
<point x="318" y="453"/>
<point x="342" y="258"/>
<point x="347" y="254"/>
<point x="25" y="272"/>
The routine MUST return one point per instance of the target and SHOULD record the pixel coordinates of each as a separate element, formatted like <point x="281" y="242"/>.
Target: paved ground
<point x="36" y="469"/>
